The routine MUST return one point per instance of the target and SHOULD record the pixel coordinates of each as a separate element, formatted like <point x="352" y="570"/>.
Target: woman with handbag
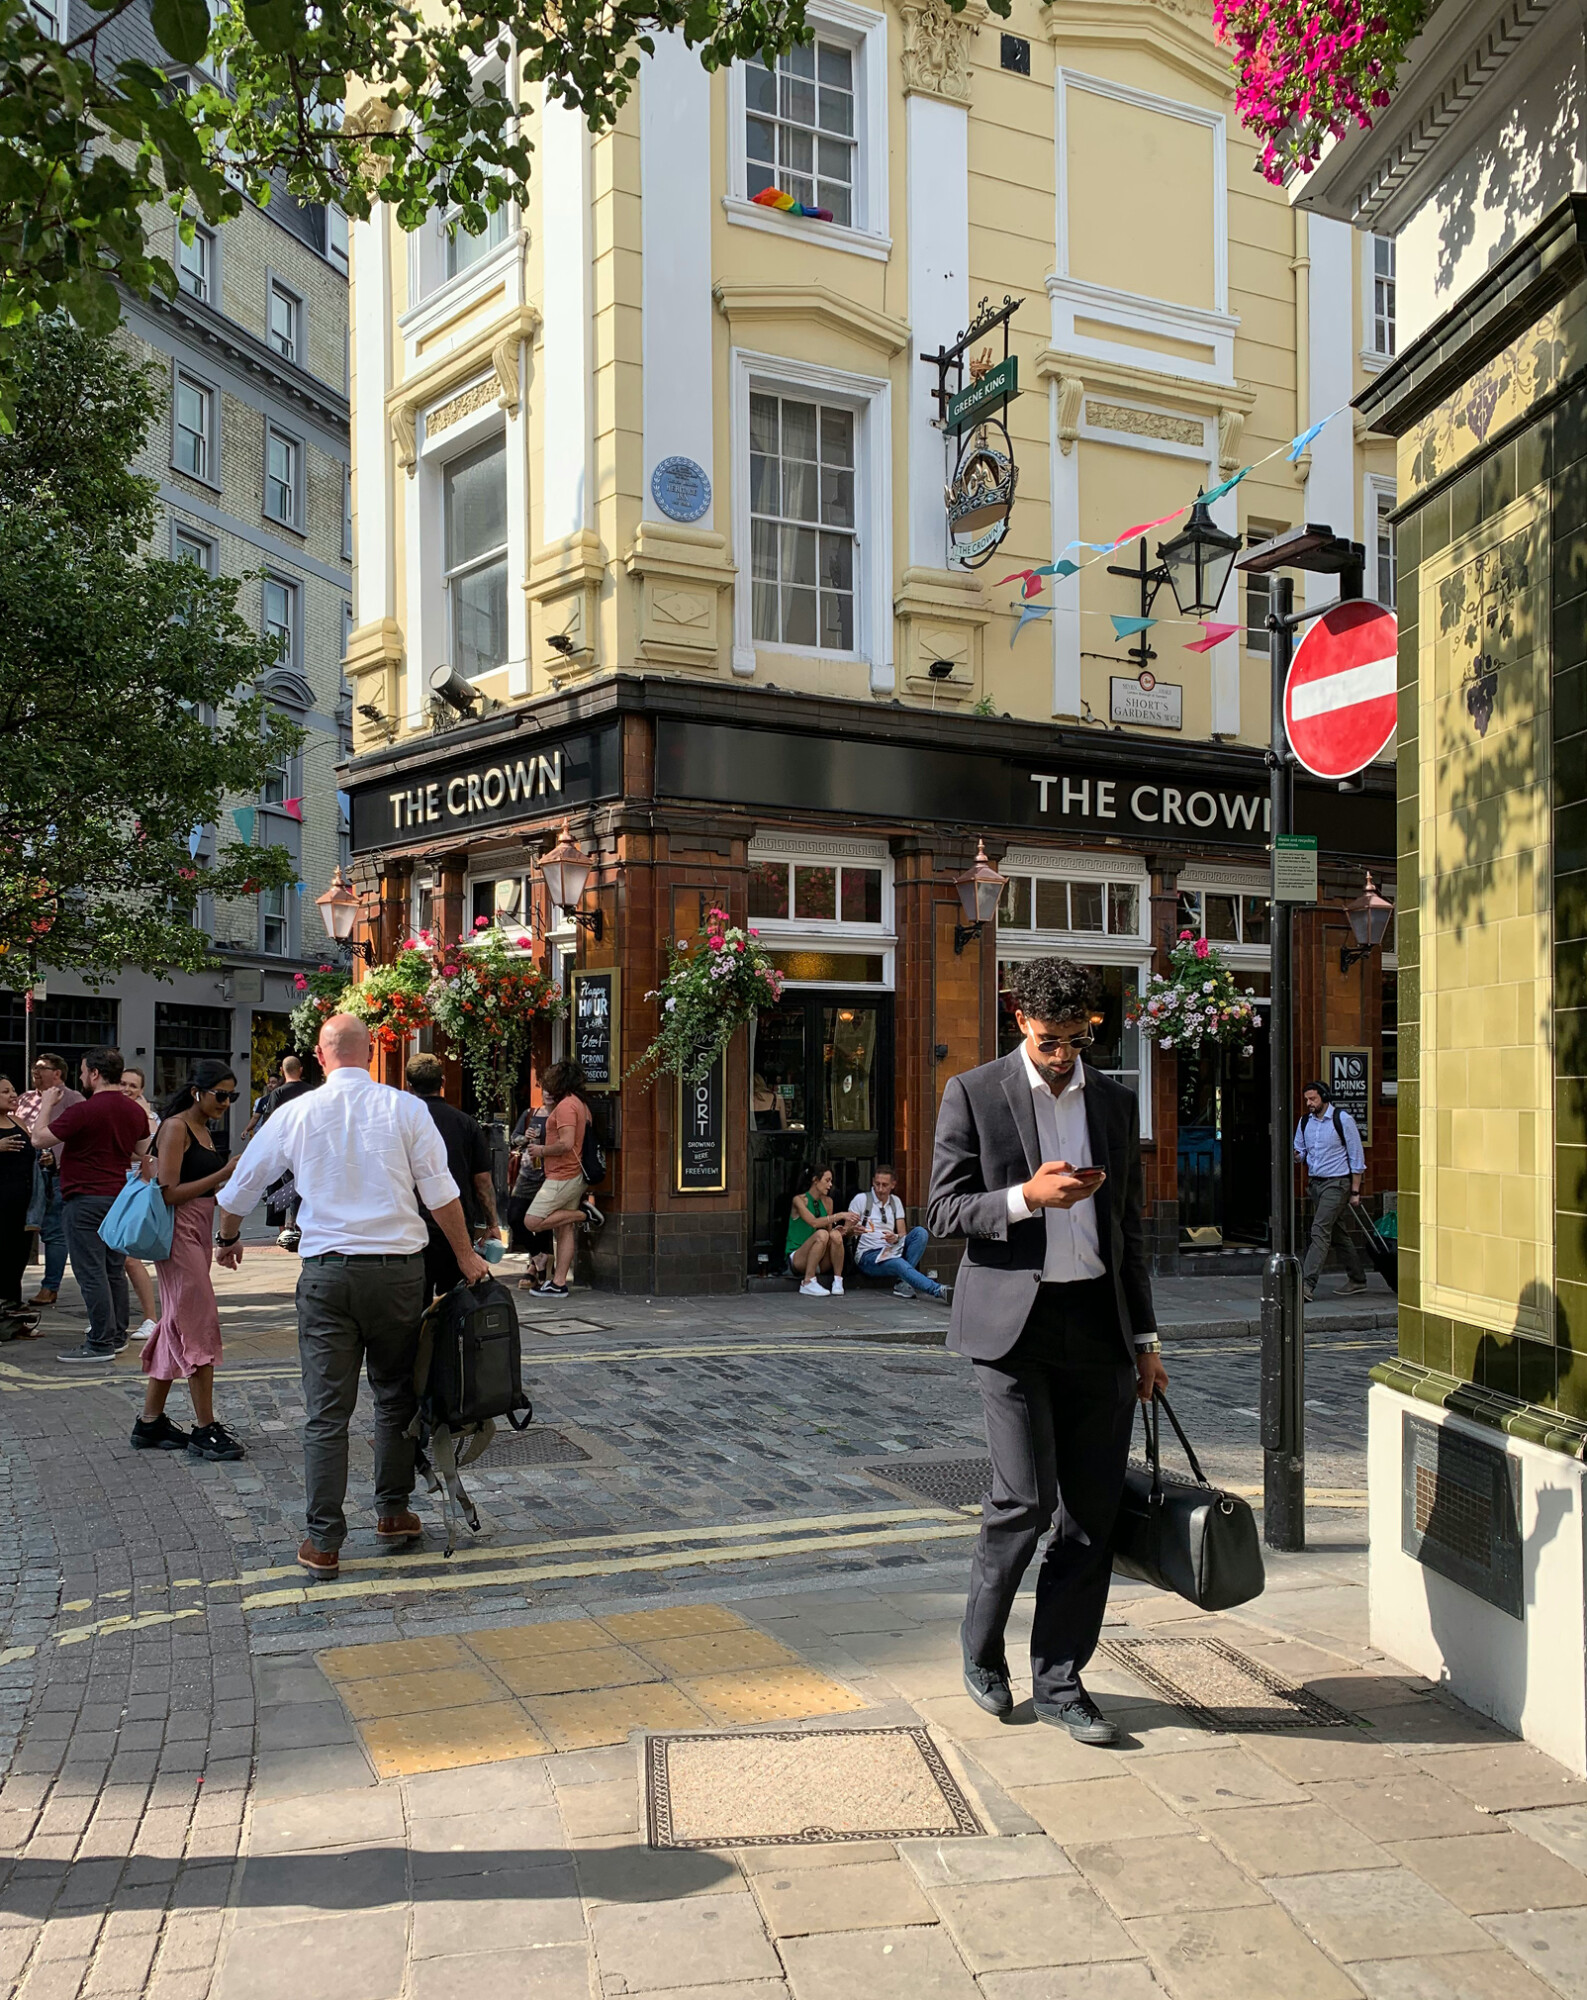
<point x="185" y="1346"/>
<point x="17" y="1321"/>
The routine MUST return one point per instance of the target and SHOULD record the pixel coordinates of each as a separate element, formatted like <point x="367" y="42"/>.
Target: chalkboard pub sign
<point x="700" y="1165"/>
<point x="597" y="1034"/>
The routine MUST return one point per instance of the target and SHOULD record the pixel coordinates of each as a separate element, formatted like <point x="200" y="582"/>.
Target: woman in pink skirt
<point x="185" y="1346"/>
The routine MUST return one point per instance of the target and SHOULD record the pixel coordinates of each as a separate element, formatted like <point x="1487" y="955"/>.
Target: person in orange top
<point x="558" y="1205"/>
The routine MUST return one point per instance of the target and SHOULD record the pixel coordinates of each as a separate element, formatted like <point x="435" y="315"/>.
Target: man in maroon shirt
<point x="99" y="1139"/>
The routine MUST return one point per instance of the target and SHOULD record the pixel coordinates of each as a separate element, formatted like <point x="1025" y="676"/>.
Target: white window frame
<point x="870" y="397"/>
<point x="48" y="16"/>
<point x="294" y="521"/>
<point x="268" y="917"/>
<point x="865" y="32"/>
<point x="276" y="288"/>
<point x="1210" y="879"/>
<point x="1379" y="490"/>
<point x="490" y="438"/>
<point x="815" y="934"/>
<point x="210" y="246"/>
<point x="336" y="237"/>
<point x="184" y="531"/>
<point x="1377" y="356"/>
<point x="210" y="476"/>
<point x="291" y="659"/>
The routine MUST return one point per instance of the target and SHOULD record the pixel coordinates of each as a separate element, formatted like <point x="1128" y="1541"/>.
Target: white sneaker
<point x="837" y="1287"/>
<point x="143" y="1332"/>
<point x="811" y="1290"/>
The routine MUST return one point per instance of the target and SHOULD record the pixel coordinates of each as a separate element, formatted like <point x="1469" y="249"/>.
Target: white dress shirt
<point x="1073" y="1252"/>
<point x="363" y="1156"/>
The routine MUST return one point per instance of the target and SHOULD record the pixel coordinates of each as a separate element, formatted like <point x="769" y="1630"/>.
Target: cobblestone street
<point x="732" y="1517"/>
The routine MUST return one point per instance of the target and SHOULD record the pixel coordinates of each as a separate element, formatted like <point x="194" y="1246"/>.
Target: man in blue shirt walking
<point x="1329" y="1143"/>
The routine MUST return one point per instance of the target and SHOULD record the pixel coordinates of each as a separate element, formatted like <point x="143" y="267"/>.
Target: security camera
<point x="448" y="685"/>
<point x="561" y="643"/>
<point x="941" y="670"/>
<point x="370" y="713"/>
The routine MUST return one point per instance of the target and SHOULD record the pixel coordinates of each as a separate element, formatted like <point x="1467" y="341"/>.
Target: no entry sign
<point x="1339" y="697"/>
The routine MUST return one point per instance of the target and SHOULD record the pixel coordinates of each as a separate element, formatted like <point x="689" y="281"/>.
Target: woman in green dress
<point x="815" y="1236"/>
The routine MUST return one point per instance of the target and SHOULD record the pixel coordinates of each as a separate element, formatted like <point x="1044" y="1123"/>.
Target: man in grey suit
<point x="1038" y="1165"/>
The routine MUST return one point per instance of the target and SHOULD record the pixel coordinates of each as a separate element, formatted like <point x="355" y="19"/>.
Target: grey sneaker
<point x="85" y="1354"/>
<point x="1082" y="1718"/>
<point x="903" y="1291"/>
<point x="1353" y="1288"/>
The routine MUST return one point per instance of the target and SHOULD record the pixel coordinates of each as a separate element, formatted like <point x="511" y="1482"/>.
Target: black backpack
<point x="467" y="1373"/>
<point x="592" y="1158"/>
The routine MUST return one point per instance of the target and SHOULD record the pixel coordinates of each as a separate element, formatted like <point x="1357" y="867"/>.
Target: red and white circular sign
<point x="1339" y="699"/>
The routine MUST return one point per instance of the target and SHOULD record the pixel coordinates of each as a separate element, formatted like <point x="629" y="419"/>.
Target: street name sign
<point x="1339" y="698"/>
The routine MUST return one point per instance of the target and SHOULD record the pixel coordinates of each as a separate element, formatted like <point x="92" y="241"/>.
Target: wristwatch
<point x="1152" y="1346"/>
<point x="226" y="1242"/>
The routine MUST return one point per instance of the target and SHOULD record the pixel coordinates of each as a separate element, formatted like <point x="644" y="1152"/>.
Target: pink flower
<point x="482" y="923"/>
<point x="1203" y="949"/>
<point x="301" y="983"/>
<point x="1185" y="936"/>
<point x="450" y="971"/>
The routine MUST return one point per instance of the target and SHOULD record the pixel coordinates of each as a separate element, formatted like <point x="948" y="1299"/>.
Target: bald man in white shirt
<point x="363" y="1156"/>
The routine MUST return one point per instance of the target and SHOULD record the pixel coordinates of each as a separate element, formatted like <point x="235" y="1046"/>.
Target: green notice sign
<point x="996" y="387"/>
<point x="1295" y="868"/>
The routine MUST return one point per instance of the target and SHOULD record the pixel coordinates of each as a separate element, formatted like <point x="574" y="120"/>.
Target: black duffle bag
<point x="468" y="1373"/>
<point x="1185" y="1535"/>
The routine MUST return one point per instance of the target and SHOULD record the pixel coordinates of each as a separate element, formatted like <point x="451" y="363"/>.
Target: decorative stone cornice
<point x="937" y="46"/>
<point x="745" y="303"/>
<point x="1229" y="402"/>
<point x="495" y="349"/>
<point x="1177" y="32"/>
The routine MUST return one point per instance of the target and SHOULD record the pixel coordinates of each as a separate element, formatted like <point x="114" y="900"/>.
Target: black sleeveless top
<point x="199" y="1161"/>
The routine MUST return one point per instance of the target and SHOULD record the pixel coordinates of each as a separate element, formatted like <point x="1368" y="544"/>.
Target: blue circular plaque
<point x="681" y="489"/>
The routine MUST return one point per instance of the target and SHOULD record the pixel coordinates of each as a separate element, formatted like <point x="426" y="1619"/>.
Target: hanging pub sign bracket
<point x="979" y="496"/>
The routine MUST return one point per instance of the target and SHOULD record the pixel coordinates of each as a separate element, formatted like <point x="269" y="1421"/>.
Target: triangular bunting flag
<point x="243" y="818"/>
<point x="1228" y="485"/>
<point x="1126" y="628"/>
<point x="1299" y="444"/>
<point x="194" y="841"/>
<point x="1146" y="527"/>
<point x="1060" y="568"/>
<point x="300" y="887"/>
<point x="1213" y="635"/>
<point x="295" y="807"/>
<point x="1030" y="612"/>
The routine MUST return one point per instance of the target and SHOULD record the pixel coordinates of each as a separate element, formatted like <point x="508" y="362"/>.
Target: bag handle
<point x="1179" y="1432"/>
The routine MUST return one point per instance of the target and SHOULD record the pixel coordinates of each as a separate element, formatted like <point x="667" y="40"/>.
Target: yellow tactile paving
<point x="526" y="1642"/>
<point x="588" y="1721"/>
<point x="779" y="1694"/>
<point x="673" y="1621"/>
<point x="381" y="1695"/>
<point x="393" y="1656"/>
<point x="575" y="1673"/>
<point x="445" y="1739"/>
<point x="716" y="1653"/>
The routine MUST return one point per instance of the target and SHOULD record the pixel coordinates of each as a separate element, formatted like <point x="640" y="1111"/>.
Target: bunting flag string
<point x="243" y="818"/>
<point x="1213" y="634"/>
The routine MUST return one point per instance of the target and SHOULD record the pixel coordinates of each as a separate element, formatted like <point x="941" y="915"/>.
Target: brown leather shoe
<point x="399" y="1527"/>
<point x="42" y="1297"/>
<point x="318" y="1562"/>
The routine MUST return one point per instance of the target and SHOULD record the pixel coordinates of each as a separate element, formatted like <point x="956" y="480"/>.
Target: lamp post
<point x="1323" y="552"/>
<point x="980" y="891"/>
<point x="1196" y="565"/>
<point x="1370" y="915"/>
<point x="339" y="911"/>
<point x="565" y="870"/>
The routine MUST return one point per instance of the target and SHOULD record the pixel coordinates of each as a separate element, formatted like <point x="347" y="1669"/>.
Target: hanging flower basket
<point x="391" y="1001"/>
<point x="712" y="989"/>
<point x="1198" y="1005"/>
<point x="485" y="997"/>
<point x="1304" y="73"/>
<point x="320" y="996"/>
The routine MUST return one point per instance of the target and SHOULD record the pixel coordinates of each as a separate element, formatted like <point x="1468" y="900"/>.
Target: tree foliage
<point x="252" y="99"/>
<point x="114" y="666"/>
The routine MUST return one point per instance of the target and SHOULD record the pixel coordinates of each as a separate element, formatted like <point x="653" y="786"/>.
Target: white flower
<point x="670" y="1005"/>
<point x="1206" y="986"/>
<point x="1167" y="1044"/>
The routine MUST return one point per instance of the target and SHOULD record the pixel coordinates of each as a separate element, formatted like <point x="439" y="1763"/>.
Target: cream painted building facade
<point x="516" y="395"/>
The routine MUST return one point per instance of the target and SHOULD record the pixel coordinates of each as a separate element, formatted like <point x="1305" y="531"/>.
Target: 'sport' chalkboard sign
<point x="701" y="1156"/>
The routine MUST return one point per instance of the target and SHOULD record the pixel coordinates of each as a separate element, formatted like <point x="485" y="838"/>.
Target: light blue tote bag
<point x="140" y="1221"/>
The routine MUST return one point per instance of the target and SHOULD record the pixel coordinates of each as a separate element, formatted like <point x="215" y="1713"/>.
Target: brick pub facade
<point x="836" y="829"/>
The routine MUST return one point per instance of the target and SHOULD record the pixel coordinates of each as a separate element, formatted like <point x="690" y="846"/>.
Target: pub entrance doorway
<point x="1225" y="1141"/>
<point x="821" y="1088"/>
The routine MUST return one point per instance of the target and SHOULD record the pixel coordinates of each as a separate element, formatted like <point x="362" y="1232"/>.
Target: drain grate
<point x="951" y="1482"/>
<point x="1222" y="1688"/>
<point x="539" y="1445"/>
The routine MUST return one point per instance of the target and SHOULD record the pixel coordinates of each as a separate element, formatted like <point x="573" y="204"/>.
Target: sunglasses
<point x="1054" y="1043"/>
<point x="225" y="1096"/>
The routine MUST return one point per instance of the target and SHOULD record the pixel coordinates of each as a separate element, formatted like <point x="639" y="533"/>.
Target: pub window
<point x="1389" y="1060"/>
<point x="1117" y="1050"/>
<point x="475" y="487"/>
<point x="815" y="892"/>
<point x="499" y="900"/>
<point x="1224" y="916"/>
<point x="184" y="1036"/>
<point x="1057" y="903"/>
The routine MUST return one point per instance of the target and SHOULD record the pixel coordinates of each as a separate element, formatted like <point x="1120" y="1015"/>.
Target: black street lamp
<point x="1370" y="915"/>
<point x="1196" y="565"/>
<point x="980" y="891"/>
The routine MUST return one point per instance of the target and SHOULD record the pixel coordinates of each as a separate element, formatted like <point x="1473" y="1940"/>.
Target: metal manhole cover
<point x="952" y="1482"/>
<point x="539" y="1445"/>
<point x="1222" y="1688"/>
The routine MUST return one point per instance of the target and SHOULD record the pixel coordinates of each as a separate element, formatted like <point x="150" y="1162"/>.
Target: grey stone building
<point x="252" y="464"/>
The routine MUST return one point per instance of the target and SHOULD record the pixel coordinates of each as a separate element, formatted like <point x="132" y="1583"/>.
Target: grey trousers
<point x="363" y="1312"/>
<point x="1330" y="1200"/>
<point x="101" y="1272"/>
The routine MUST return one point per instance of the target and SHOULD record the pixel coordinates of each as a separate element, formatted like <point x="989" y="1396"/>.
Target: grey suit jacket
<point x="987" y="1143"/>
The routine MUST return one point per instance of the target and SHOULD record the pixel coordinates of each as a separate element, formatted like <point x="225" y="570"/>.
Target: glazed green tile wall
<point x="1558" y="445"/>
<point x="1408" y="549"/>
